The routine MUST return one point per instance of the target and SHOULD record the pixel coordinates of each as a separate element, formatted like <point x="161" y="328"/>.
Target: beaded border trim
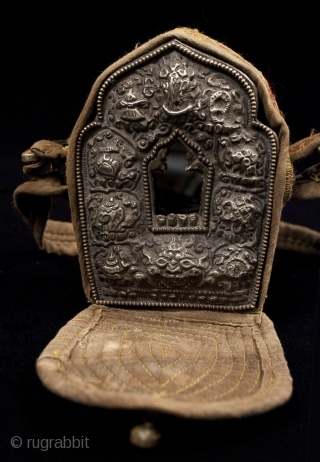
<point x="250" y="89"/>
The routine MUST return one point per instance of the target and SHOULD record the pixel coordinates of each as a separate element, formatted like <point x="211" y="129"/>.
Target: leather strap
<point x="307" y="184"/>
<point x="298" y="239"/>
<point x="45" y="166"/>
<point x="59" y="238"/>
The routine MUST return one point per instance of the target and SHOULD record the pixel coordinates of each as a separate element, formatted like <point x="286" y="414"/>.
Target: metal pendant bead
<point x="29" y="156"/>
<point x="144" y="436"/>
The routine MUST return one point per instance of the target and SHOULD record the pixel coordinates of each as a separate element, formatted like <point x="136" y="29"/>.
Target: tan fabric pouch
<point x="176" y="191"/>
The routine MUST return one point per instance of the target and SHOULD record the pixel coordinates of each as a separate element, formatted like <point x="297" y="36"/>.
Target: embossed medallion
<point x="175" y="179"/>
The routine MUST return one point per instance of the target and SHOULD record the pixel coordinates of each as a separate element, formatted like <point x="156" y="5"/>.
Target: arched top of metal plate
<point x="175" y="182"/>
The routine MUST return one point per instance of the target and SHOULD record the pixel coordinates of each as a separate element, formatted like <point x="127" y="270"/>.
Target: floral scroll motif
<point x="113" y="213"/>
<point x="113" y="162"/>
<point x="233" y="267"/>
<point x="237" y="217"/>
<point x="119" y="264"/>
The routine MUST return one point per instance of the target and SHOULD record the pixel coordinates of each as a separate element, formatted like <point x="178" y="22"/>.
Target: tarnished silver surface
<point x="144" y="436"/>
<point x="175" y="180"/>
<point x="29" y="156"/>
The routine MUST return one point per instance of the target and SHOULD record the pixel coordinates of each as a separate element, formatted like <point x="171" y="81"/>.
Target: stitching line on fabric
<point x="69" y="359"/>
<point x="195" y="392"/>
<point x="57" y="233"/>
<point x="103" y="382"/>
<point x="270" y="361"/>
<point x="145" y="385"/>
<point x="109" y="370"/>
<point x="164" y="355"/>
<point x="258" y="358"/>
<point x="124" y="367"/>
<point x="60" y="353"/>
<point x="241" y="375"/>
<point x="161" y="321"/>
<point x="174" y="375"/>
<point x="91" y="332"/>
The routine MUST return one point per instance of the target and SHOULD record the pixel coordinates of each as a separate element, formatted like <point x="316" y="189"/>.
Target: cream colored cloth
<point x="204" y="364"/>
<point x="194" y="364"/>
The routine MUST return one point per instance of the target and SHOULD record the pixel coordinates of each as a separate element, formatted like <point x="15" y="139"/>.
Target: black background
<point x="51" y="53"/>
